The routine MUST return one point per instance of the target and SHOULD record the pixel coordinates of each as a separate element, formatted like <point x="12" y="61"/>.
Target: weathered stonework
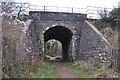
<point x="80" y="39"/>
<point x="93" y="45"/>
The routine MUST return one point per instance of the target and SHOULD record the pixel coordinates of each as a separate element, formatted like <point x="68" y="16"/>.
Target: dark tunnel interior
<point x="62" y="34"/>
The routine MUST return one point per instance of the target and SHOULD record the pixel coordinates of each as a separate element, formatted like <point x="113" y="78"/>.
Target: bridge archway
<point x="62" y="34"/>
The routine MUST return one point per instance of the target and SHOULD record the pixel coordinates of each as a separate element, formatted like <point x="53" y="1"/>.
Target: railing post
<point x="44" y="8"/>
<point x="79" y="10"/>
<point x="35" y="7"/>
<point x="57" y="8"/>
<point x="72" y="9"/>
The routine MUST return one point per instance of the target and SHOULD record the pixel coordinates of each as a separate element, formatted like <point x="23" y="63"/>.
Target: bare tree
<point x="12" y="31"/>
<point x="103" y="13"/>
<point x="7" y="5"/>
<point x="22" y="10"/>
<point x="14" y="9"/>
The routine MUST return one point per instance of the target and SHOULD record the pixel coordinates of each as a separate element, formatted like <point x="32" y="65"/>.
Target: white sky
<point x="75" y="3"/>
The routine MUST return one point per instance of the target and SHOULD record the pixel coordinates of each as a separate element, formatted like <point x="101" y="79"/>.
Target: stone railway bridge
<point x="80" y="39"/>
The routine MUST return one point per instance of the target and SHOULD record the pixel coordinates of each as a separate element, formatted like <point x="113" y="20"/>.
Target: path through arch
<point x="62" y="34"/>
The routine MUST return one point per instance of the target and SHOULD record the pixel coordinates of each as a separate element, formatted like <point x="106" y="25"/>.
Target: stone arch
<point x="50" y="25"/>
<point x="62" y="34"/>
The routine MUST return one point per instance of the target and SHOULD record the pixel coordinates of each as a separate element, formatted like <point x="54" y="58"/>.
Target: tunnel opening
<point x="63" y="35"/>
<point x="53" y="50"/>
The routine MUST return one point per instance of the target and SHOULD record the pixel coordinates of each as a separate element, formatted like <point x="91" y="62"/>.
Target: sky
<point x="74" y="3"/>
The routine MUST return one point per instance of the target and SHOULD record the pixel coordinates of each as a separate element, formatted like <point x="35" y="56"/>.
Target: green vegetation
<point x="86" y="70"/>
<point x="82" y="70"/>
<point x="109" y="33"/>
<point x="108" y="24"/>
<point x="48" y="70"/>
<point x="18" y="69"/>
<point x="110" y="20"/>
<point x="53" y="48"/>
<point x="115" y="15"/>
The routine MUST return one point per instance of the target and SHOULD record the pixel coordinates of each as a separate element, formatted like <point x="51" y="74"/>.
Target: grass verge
<point x="85" y="70"/>
<point x="80" y="72"/>
<point x="48" y="70"/>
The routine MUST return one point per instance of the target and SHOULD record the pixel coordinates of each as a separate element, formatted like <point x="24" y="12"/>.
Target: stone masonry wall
<point x="93" y="45"/>
<point x="87" y="42"/>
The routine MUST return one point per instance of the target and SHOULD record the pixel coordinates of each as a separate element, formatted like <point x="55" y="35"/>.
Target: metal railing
<point x="91" y="11"/>
<point x="57" y="9"/>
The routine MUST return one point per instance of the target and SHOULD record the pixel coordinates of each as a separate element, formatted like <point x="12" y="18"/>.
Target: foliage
<point x="109" y="25"/>
<point x="115" y="15"/>
<point x="104" y="72"/>
<point x="12" y="34"/>
<point x="100" y="24"/>
<point x="8" y="7"/>
<point x="86" y="65"/>
<point x="17" y="10"/>
<point x="86" y="70"/>
<point x="53" y="47"/>
<point x="109" y="20"/>
<point x="81" y="69"/>
<point x="16" y="69"/>
<point x="103" y="13"/>
<point x="109" y="33"/>
<point x="16" y="64"/>
<point x="12" y="67"/>
<point x="48" y="70"/>
<point x="107" y="29"/>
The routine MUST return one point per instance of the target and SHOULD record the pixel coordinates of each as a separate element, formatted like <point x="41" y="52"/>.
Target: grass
<point x="85" y="70"/>
<point x="81" y="69"/>
<point x="80" y="72"/>
<point x="109" y="33"/>
<point x="48" y="70"/>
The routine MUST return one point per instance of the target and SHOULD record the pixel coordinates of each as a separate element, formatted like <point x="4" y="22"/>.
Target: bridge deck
<point x="59" y="16"/>
<point x="91" y="11"/>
